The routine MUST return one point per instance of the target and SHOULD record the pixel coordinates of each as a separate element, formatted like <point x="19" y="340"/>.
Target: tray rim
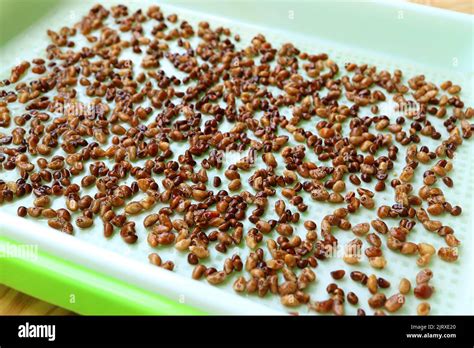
<point x="56" y="279"/>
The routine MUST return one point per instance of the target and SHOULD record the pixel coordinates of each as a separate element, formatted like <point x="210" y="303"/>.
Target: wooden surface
<point x="14" y="303"/>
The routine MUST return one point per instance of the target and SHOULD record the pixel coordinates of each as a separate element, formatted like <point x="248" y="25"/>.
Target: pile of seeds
<point x="297" y="122"/>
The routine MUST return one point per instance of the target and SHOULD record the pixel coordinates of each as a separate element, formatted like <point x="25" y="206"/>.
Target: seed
<point x="56" y="223"/>
<point x="352" y="298"/>
<point x="322" y="306"/>
<point x="168" y="265"/>
<point x="338" y="274"/>
<point x="108" y="229"/>
<point x="435" y="209"/>
<point x="269" y="159"/>
<point x="235" y="185"/>
<point x="423" y="291"/>
<point x="375" y="240"/>
<point x="426" y="249"/>
<point x="133" y="208"/>
<point x="394" y="303"/>
<point x="240" y="284"/>
<point x="284" y="230"/>
<point x="454" y="89"/>
<point x="216" y="278"/>
<point x="432" y="225"/>
<point x="288" y="287"/>
<point x="456" y="211"/>
<point x="150" y="220"/>
<point x="84" y="222"/>
<point x="155" y="259"/>
<point x="361" y="229"/>
<point x="357" y="276"/>
<point x="409" y="248"/>
<point x="424" y="276"/>
<point x="405" y="286"/>
<point x="448" y="254"/>
<point x="200" y="251"/>
<point x="377" y="300"/>
<point x="263" y="226"/>
<point x="289" y="300"/>
<point x="383" y="283"/>
<point x="21" y="211"/>
<point x="310" y="225"/>
<point x="451" y="240"/>
<point x="275" y="264"/>
<point x="42" y="202"/>
<point x="183" y="244"/>
<point x="198" y="271"/>
<point x="378" y="262"/>
<point x="351" y="259"/>
<point x="423" y="308"/>
<point x="379" y="226"/>
<point x="424" y="260"/>
<point x="372" y="284"/>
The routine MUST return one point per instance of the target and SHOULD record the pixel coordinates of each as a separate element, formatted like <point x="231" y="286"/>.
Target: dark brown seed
<point x="352" y="298"/>
<point x="423" y="291"/>
<point x="339" y="274"/>
<point x="22" y="211"/>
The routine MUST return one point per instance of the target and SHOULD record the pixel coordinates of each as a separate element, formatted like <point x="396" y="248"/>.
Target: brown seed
<point x="352" y="298"/>
<point x="168" y="265"/>
<point x="42" y="202"/>
<point x="423" y="291"/>
<point x="325" y="306"/>
<point x="240" y="284"/>
<point x="423" y="308"/>
<point x="284" y="230"/>
<point x="448" y="254"/>
<point x="22" y="211"/>
<point x="198" y="271"/>
<point x="435" y="209"/>
<point x="235" y="185"/>
<point x="289" y="300"/>
<point x="409" y="248"/>
<point x="150" y="220"/>
<point x="423" y="260"/>
<point x="133" y="208"/>
<point x="377" y="300"/>
<point x="216" y="278"/>
<point x="379" y="226"/>
<point x="425" y="248"/>
<point x="375" y="240"/>
<point x="339" y="274"/>
<point x="405" y="286"/>
<point x="84" y="222"/>
<point x="432" y="225"/>
<point x="108" y="229"/>
<point x="155" y="259"/>
<point x="451" y="240"/>
<point x="424" y="276"/>
<point x="200" y="251"/>
<point x="378" y="262"/>
<point x="394" y="302"/>
<point x="372" y="284"/>
<point x="361" y="229"/>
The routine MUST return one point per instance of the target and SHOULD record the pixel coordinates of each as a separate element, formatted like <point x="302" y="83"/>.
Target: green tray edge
<point x="54" y="280"/>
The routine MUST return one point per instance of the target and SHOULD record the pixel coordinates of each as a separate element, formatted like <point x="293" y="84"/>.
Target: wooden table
<point x="15" y="303"/>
